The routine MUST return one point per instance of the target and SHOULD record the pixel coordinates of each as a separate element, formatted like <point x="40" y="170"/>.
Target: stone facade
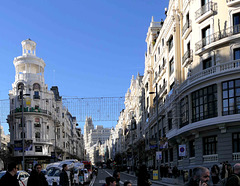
<point x="48" y="128"/>
<point x="93" y="139"/>
<point x="190" y="90"/>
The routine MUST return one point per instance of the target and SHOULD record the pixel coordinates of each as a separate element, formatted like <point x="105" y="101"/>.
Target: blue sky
<point x="91" y="48"/>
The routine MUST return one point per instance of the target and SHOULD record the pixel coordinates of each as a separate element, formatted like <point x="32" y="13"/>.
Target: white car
<point x="53" y="174"/>
<point x="22" y="177"/>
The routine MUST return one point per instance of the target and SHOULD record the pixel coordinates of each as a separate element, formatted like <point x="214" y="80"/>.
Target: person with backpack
<point x="234" y="179"/>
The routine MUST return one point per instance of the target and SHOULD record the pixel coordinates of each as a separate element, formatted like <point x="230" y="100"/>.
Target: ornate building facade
<point x="47" y="129"/>
<point x="93" y="139"/>
<point x="191" y="88"/>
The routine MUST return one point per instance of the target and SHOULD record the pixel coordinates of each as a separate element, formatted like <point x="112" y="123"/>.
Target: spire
<point x="152" y="19"/>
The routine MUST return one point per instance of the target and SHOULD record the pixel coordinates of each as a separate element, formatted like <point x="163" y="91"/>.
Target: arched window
<point x="36" y="89"/>
<point x="36" y="86"/>
<point x="20" y="89"/>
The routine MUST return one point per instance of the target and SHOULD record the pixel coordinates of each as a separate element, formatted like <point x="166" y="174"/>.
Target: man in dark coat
<point x="234" y="179"/>
<point x="37" y="178"/>
<point x="143" y="176"/>
<point x="10" y="178"/>
<point x="63" y="176"/>
<point x="200" y="177"/>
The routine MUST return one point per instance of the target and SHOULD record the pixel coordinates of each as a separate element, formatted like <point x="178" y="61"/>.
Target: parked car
<point x="22" y="177"/>
<point x="53" y="175"/>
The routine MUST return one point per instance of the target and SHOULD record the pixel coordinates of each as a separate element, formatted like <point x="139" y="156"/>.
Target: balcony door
<point x="206" y="35"/>
<point x="236" y="23"/>
<point x="236" y="53"/>
<point x="204" y="2"/>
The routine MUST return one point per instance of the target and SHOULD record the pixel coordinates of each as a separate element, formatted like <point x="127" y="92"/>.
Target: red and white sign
<point x="182" y="150"/>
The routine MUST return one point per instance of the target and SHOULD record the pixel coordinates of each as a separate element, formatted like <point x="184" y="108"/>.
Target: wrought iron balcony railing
<point x="187" y="55"/>
<point x="217" y="36"/>
<point x="204" y="9"/>
<point x="187" y="25"/>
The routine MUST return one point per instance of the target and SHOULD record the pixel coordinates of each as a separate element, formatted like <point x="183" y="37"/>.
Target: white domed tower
<point x="37" y="107"/>
<point x="29" y="67"/>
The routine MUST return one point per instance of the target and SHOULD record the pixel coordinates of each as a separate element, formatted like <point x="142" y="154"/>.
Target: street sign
<point x="155" y="174"/>
<point x="182" y="150"/>
<point x="159" y="155"/>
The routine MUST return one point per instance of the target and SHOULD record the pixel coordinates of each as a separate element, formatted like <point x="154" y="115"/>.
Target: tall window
<point x="204" y="103"/>
<point x="166" y="156"/>
<point x="236" y="22"/>
<point x="210" y="145"/>
<point x="207" y="63"/>
<point x="187" y="19"/>
<point x="170" y="120"/>
<point x="170" y="43"/>
<point x="37" y="135"/>
<point x="171" y="66"/>
<point x="203" y="2"/>
<point x="23" y="135"/>
<point x="236" y="142"/>
<point x="184" y="117"/>
<point x="206" y="36"/>
<point x="171" y="154"/>
<point x="231" y="97"/>
<point x="236" y="53"/>
<point x="192" y="148"/>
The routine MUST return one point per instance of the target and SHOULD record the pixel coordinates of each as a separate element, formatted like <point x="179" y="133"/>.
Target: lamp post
<point x="158" y="144"/>
<point x="55" y="138"/>
<point x="133" y="127"/>
<point x="23" y="131"/>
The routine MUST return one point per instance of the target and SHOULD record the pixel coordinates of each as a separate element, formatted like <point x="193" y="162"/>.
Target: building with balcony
<point x="191" y="87"/>
<point x="37" y="115"/>
<point x="92" y="138"/>
<point x="4" y="140"/>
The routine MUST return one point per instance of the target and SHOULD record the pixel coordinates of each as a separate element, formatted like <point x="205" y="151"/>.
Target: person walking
<point x="71" y="176"/>
<point x="110" y="181"/>
<point x="200" y="177"/>
<point x="143" y="176"/>
<point x="215" y="171"/>
<point x="234" y="179"/>
<point x="37" y="178"/>
<point x="64" y="176"/>
<point x="10" y="178"/>
<point x="116" y="175"/>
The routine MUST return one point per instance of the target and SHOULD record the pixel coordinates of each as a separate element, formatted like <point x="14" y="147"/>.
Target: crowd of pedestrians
<point x="219" y="175"/>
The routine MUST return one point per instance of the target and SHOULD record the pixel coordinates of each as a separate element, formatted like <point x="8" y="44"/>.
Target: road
<point x="103" y="173"/>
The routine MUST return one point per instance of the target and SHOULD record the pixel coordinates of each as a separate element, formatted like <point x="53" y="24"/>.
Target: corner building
<point x="192" y="60"/>
<point x="49" y="129"/>
<point x="190" y="94"/>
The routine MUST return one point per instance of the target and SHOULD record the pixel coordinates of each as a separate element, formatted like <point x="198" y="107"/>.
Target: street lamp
<point x="157" y="127"/>
<point x="23" y="132"/>
<point x="133" y="127"/>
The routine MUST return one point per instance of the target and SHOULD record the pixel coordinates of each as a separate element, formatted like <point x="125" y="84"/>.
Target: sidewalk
<point x="165" y="181"/>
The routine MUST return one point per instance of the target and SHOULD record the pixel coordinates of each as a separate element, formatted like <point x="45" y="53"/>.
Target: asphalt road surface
<point x="103" y="173"/>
